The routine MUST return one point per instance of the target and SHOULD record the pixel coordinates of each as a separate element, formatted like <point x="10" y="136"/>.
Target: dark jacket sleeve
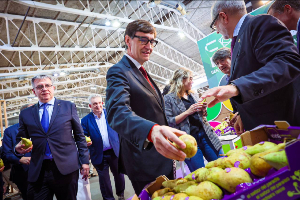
<point x="273" y="46"/>
<point x="169" y="111"/>
<point x="120" y="116"/>
<point x="8" y="148"/>
<point x="79" y="137"/>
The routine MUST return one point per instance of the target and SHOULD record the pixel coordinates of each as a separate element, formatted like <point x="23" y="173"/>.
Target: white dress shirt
<point x="136" y="63"/>
<point x="239" y="25"/>
<point x="103" y="130"/>
<point x="49" y="109"/>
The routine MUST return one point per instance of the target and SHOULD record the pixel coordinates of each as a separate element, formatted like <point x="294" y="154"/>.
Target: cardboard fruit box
<point x="283" y="184"/>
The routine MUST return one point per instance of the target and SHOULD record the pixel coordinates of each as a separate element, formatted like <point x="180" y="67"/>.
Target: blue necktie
<point x="45" y="125"/>
<point x="298" y="37"/>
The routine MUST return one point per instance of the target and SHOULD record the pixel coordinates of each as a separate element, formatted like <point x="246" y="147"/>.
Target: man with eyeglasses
<point x="265" y="66"/>
<point x="135" y="109"/>
<point x="59" y="147"/>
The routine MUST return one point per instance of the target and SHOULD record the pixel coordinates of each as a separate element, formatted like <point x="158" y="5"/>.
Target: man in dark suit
<point x="19" y="169"/>
<point x="287" y="11"/>
<point x="265" y="66"/>
<point x="135" y="110"/>
<point x="59" y="147"/>
<point x="105" y="147"/>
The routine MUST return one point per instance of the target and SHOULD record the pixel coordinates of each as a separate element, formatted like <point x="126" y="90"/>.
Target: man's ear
<point x="287" y="9"/>
<point x="127" y="41"/>
<point x="224" y="16"/>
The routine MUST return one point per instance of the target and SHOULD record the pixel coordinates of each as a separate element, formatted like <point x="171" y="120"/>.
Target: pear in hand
<point x="87" y="139"/>
<point x="26" y="142"/>
<point x="191" y="145"/>
<point x="1" y="163"/>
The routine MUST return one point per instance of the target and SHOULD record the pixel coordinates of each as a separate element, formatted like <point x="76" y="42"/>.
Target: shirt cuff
<point x="150" y="133"/>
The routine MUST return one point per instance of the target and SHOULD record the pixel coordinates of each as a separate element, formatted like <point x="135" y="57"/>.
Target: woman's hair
<point x="177" y="82"/>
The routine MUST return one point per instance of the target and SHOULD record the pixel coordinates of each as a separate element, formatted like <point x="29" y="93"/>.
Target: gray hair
<point x="40" y="77"/>
<point x="177" y="81"/>
<point x="222" y="53"/>
<point x="229" y="7"/>
<point x="93" y="96"/>
<point x="278" y="5"/>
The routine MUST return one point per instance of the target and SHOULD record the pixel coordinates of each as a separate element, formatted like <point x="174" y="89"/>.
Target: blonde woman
<point x="185" y="113"/>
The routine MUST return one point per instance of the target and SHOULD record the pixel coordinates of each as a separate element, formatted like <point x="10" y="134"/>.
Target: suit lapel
<point x="35" y="113"/>
<point x="138" y="75"/>
<point x="56" y="109"/>
<point x="238" y="43"/>
<point x="93" y="121"/>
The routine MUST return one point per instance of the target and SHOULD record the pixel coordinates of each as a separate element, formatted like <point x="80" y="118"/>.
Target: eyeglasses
<point x="40" y="87"/>
<point x="212" y="25"/>
<point x="145" y="40"/>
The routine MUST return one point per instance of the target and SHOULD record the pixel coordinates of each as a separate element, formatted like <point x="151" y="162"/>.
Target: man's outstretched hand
<point x="221" y="93"/>
<point x="161" y="136"/>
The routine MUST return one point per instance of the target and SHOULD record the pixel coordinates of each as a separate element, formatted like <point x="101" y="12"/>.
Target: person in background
<point x="105" y="148"/>
<point x="135" y="110"/>
<point x="287" y="11"/>
<point x="19" y="169"/>
<point x="265" y="67"/>
<point x="59" y="147"/>
<point x="186" y="113"/>
<point x="222" y="58"/>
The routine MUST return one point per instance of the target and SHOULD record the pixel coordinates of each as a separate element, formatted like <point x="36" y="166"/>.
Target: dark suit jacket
<point x="265" y="66"/>
<point x="62" y="141"/>
<point x="9" y="143"/>
<point x="133" y="108"/>
<point x="91" y="129"/>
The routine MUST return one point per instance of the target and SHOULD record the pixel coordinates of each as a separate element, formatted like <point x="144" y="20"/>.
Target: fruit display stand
<point x="278" y="184"/>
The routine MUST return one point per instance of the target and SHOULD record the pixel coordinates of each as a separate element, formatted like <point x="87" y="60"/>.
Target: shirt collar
<point x="97" y="116"/>
<point x="51" y="102"/>
<point x="136" y="63"/>
<point x="239" y="25"/>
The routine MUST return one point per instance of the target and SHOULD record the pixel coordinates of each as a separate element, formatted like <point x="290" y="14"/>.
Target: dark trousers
<point x="138" y="186"/>
<point x="51" y="182"/>
<point x="19" y="176"/>
<point x="110" y="160"/>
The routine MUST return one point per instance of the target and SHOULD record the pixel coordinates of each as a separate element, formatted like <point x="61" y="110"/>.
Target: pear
<point x="27" y="142"/>
<point x="230" y="178"/>
<point x="1" y="163"/>
<point x="210" y="164"/>
<point x="229" y="153"/>
<point x="180" y="196"/>
<point x="181" y="181"/>
<point x="260" y="147"/>
<point x="169" y="184"/>
<point x="239" y="159"/>
<point x="87" y="139"/>
<point x="259" y="166"/>
<point x="191" y="145"/>
<point x="183" y="187"/>
<point x="169" y="194"/>
<point x="205" y="190"/>
<point x="167" y="197"/>
<point x="192" y="176"/>
<point x="160" y="192"/>
<point x="277" y="160"/>
<point x="201" y="174"/>
<point x="193" y="198"/>
<point x="157" y="198"/>
<point x="213" y="170"/>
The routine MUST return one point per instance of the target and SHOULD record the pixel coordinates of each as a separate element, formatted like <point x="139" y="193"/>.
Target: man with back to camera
<point x="19" y="169"/>
<point x="135" y="109"/>
<point x="287" y="11"/>
<point x="55" y="131"/>
<point x="264" y="66"/>
<point x="105" y="147"/>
